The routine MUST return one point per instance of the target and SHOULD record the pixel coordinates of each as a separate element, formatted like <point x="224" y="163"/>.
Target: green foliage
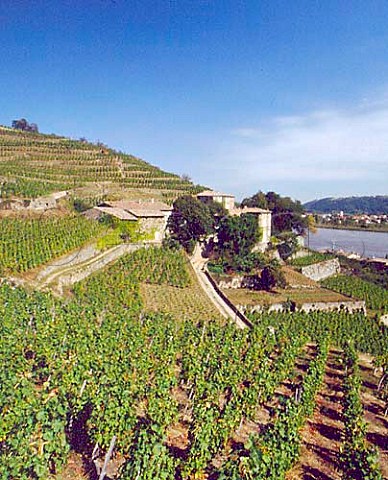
<point x="258" y="200"/>
<point x="310" y="259"/>
<point x="149" y="457"/>
<point x="237" y="235"/>
<point x="28" y="243"/>
<point x="286" y="213"/>
<point x="122" y="231"/>
<point x="239" y="263"/>
<point x="170" y="243"/>
<point x="357" y="459"/>
<point x="96" y="363"/>
<point x="218" y="266"/>
<point x="81" y="204"/>
<point x="271" y="455"/>
<point x="157" y="265"/>
<point x="191" y="221"/>
<point x="368" y="335"/>
<point x="26" y="188"/>
<point x="34" y="164"/>
<point x="272" y="277"/>
<point x="375" y="297"/>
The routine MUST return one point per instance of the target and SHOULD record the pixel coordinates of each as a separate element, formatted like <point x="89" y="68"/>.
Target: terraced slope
<point x="33" y="164"/>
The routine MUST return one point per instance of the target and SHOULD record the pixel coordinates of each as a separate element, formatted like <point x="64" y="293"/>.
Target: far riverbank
<point x="378" y="229"/>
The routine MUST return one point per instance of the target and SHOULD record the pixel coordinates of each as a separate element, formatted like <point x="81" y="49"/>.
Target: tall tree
<point x="238" y="235"/>
<point x="190" y="221"/>
<point x="287" y="214"/>
<point x="258" y="200"/>
<point x="22" y="124"/>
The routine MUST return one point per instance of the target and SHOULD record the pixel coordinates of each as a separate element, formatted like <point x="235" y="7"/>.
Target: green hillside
<point x="370" y="205"/>
<point x="34" y="164"/>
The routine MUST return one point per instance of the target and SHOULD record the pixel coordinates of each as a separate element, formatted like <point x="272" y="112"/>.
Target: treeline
<point x="25" y="126"/>
<point x="287" y="214"/>
<point x="372" y="205"/>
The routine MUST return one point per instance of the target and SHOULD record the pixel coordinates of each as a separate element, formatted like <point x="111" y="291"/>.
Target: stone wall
<point x="264" y="221"/>
<point x="72" y="259"/>
<point x="320" y="271"/>
<point x="43" y="203"/>
<point x="40" y="203"/>
<point x="234" y="282"/>
<point x="14" y="204"/>
<point x="384" y="319"/>
<point x="350" y="306"/>
<point x="84" y="271"/>
<point x="154" y="228"/>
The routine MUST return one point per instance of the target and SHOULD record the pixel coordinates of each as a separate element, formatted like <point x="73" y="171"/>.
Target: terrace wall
<point x="350" y="306"/>
<point x="320" y="271"/>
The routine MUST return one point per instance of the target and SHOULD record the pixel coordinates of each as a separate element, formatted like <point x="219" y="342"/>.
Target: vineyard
<point x="33" y="164"/>
<point x="28" y="243"/>
<point x="189" y="302"/>
<point x="183" y="399"/>
<point x="376" y="297"/>
<point x="157" y="266"/>
<point x="313" y="257"/>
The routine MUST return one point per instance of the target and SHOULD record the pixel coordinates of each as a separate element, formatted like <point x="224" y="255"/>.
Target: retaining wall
<point x="350" y="306"/>
<point x="320" y="271"/>
<point x="83" y="271"/>
<point x="236" y="310"/>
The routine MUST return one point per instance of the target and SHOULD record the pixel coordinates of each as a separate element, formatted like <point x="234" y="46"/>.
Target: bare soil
<point x="377" y="424"/>
<point x="321" y="436"/>
<point x="322" y="433"/>
<point x="299" y="295"/>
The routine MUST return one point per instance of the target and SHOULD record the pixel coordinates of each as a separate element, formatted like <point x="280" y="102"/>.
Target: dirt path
<point x="73" y="267"/>
<point x="377" y="424"/>
<point x="199" y="266"/>
<point x="322" y="433"/>
<point x="65" y="276"/>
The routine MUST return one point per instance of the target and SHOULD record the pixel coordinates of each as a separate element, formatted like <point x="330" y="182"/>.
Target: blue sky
<point x="241" y="95"/>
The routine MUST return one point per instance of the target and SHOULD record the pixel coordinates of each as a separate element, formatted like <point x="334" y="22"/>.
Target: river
<point x="366" y="244"/>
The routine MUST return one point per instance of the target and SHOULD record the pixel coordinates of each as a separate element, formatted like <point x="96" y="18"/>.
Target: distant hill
<point x="371" y="205"/>
<point x="33" y="164"/>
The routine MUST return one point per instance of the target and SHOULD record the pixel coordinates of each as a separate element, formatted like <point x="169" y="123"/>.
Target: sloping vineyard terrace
<point x="175" y="394"/>
<point x="33" y="164"/>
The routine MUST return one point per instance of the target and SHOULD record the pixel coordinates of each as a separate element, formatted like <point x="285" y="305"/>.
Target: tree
<point x="20" y="124"/>
<point x="185" y="177"/>
<point x="238" y="235"/>
<point x="287" y="214"/>
<point x="258" y="200"/>
<point x="311" y="223"/>
<point x="289" y="244"/>
<point x="190" y="221"/>
<point x="23" y="125"/>
<point x="272" y="277"/>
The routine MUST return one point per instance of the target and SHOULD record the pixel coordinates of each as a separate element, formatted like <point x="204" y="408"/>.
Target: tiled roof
<point x="211" y="193"/>
<point x="142" y="209"/>
<point x="254" y="210"/>
<point x="116" y="212"/>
